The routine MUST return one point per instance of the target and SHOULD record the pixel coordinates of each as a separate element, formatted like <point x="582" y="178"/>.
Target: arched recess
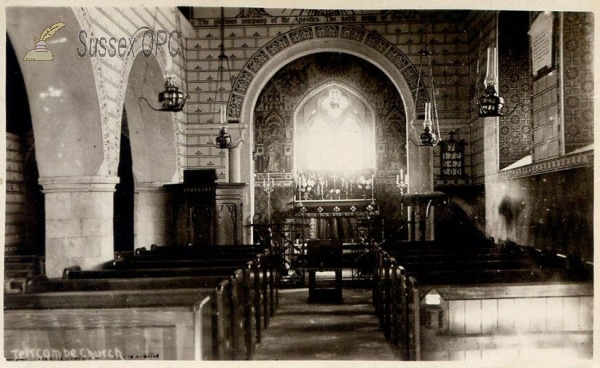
<point x="148" y="65"/>
<point x="365" y="146"/>
<point x="62" y="93"/>
<point x="152" y="139"/>
<point x="151" y="132"/>
<point x="308" y="40"/>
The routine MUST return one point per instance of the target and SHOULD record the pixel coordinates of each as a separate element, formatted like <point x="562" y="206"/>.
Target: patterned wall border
<point x="109" y="145"/>
<point x="572" y="161"/>
<point x="451" y="182"/>
<point x="362" y="37"/>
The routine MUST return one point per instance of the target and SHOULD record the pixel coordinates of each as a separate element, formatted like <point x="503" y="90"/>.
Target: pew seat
<point x="46" y="285"/>
<point x="122" y="264"/>
<point x="510" y="320"/>
<point x="74" y="273"/>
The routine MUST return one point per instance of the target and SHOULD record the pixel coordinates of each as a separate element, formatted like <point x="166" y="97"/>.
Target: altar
<point x="345" y="219"/>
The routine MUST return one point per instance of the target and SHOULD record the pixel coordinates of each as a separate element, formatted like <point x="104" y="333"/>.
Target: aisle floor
<point x="320" y="331"/>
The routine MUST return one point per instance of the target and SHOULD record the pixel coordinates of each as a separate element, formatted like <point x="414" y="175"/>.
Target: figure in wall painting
<point x="393" y="146"/>
<point x="273" y="157"/>
<point x="259" y="158"/>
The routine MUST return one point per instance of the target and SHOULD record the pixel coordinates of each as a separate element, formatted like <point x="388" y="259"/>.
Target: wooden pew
<point x="45" y="285"/>
<point x="479" y="276"/>
<point x="515" y="321"/>
<point x="252" y="297"/>
<point x="76" y="272"/>
<point x="200" y="250"/>
<point x="248" y="283"/>
<point x="257" y="284"/>
<point x="209" y="258"/>
<point x="459" y="265"/>
<point x="121" y="264"/>
<point x="17" y="268"/>
<point x="235" y="332"/>
<point x="396" y="300"/>
<point x="172" y="324"/>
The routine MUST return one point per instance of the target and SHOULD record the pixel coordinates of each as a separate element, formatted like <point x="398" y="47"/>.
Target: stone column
<point x="79" y="221"/>
<point x="153" y="215"/>
<point x="234" y="164"/>
<point x="420" y="181"/>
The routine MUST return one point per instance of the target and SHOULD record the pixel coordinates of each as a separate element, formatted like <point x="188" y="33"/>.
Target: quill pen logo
<point x="41" y="53"/>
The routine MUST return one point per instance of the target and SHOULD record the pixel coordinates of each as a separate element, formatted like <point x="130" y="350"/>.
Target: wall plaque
<point x="541" y="42"/>
<point x="452" y="157"/>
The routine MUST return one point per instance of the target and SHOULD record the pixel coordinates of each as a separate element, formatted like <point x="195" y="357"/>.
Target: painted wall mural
<point x="373" y="105"/>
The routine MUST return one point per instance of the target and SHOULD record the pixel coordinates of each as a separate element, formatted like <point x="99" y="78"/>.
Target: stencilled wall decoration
<point x="515" y="138"/>
<point x="578" y="31"/>
<point x="515" y="130"/>
<point x="336" y="80"/>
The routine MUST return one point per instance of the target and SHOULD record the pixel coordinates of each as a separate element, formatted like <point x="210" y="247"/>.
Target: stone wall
<point x="247" y="33"/>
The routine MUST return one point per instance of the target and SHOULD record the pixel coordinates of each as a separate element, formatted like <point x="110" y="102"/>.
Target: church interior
<point x="209" y="183"/>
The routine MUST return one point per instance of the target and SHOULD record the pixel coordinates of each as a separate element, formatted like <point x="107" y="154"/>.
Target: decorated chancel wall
<point x="332" y="116"/>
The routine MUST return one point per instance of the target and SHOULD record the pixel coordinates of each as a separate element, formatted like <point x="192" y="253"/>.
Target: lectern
<point x="324" y="255"/>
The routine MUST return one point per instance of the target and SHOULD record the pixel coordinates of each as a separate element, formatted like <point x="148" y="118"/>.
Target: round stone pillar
<point x="79" y="221"/>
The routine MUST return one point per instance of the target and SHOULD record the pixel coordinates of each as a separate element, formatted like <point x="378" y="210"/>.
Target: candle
<point x="402" y="175"/>
<point x="397" y="179"/>
<point x="223" y="114"/>
<point x="169" y="65"/>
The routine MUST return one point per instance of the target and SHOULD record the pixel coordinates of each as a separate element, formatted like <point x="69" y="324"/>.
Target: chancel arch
<point x="266" y="62"/>
<point x="327" y="117"/>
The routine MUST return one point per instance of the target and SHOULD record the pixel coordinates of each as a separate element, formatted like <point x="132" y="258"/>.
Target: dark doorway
<point x="123" y="207"/>
<point x="25" y="220"/>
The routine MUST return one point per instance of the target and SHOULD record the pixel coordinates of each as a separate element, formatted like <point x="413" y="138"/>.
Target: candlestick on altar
<point x="334" y="181"/>
<point x="372" y="186"/>
<point x="401" y="183"/>
<point x="268" y="187"/>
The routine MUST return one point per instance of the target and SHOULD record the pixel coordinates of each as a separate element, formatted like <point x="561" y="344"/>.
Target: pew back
<point x="150" y="324"/>
<point x="545" y="319"/>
